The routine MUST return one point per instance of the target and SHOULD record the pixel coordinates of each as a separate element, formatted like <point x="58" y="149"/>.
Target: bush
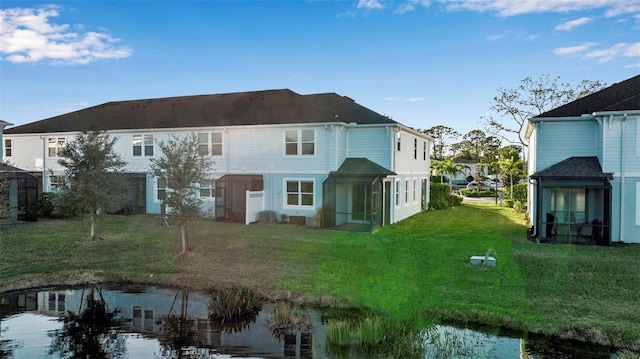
<point x="441" y="196"/>
<point x="46" y="204"/>
<point x="518" y="206"/>
<point x="519" y="192"/>
<point x="472" y="192"/>
<point x="508" y="203"/>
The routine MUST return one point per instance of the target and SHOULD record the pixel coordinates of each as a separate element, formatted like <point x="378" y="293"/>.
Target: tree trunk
<point x="185" y="238"/>
<point x="92" y="224"/>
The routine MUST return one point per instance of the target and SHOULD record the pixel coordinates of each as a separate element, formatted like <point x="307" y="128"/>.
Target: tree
<point x="441" y="136"/>
<point x="532" y="98"/>
<point x="477" y="146"/>
<point x="511" y="168"/>
<point x="93" y="176"/>
<point x="181" y="169"/>
<point x="450" y="168"/>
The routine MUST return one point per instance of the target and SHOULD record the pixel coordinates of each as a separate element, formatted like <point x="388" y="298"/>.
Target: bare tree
<point x="181" y="168"/>
<point x="514" y="107"/>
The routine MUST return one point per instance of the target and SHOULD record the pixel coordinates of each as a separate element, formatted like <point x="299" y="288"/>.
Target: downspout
<point x="44" y="156"/>
<point x="622" y="131"/>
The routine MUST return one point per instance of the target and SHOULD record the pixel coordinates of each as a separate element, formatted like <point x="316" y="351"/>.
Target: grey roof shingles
<point x="574" y="168"/>
<point x="361" y="167"/>
<point x="269" y="107"/>
<point x="621" y="96"/>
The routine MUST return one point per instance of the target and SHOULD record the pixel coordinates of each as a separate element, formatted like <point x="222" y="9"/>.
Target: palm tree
<point x="450" y="168"/>
<point x="512" y="168"/>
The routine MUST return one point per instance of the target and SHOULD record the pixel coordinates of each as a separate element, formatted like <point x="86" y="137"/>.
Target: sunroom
<point x="573" y="202"/>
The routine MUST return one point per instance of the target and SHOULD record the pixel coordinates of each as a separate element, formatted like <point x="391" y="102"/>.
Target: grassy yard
<point x="416" y="267"/>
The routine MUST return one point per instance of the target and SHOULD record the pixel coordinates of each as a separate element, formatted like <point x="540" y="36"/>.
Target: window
<point x="299" y="193"/>
<point x="207" y="190"/>
<point x="56" y="182"/>
<point x="415" y="148"/>
<point x="143" y="145"/>
<point x="424" y="151"/>
<point x="406" y="191"/>
<point x="7" y="148"/>
<point x="299" y="142"/>
<point x="210" y="143"/>
<point x="56" y="145"/>
<point x="415" y="185"/>
<point x="398" y="141"/>
<point x="161" y="191"/>
<point x="398" y="193"/>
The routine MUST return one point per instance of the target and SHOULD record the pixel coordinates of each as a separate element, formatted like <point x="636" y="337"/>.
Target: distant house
<point x="295" y="156"/>
<point x="584" y="166"/>
<point x="18" y="188"/>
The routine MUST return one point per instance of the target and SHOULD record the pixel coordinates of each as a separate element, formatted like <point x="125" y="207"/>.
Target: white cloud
<point x="494" y="37"/>
<point x="27" y="35"/>
<point x="587" y="51"/>
<point x="411" y="5"/>
<point x="569" y="25"/>
<point x="415" y="99"/>
<point x="571" y="50"/>
<point x="370" y="4"/>
<point x="518" y="7"/>
<point x="391" y="99"/>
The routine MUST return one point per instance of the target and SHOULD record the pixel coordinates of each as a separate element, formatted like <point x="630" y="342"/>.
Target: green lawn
<point x="417" y="267"/>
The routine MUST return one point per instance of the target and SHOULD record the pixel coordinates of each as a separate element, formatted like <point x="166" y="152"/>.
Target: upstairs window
<point x="424" y="151"/>
<point x="143" y="145"/>
<point x="56" y="145"/>
<point x="300" y="142"/>
<point x="7" y="148"/>
<point x="398" y="141"/>
<point x="415" y="148"/>
<point x="210" y="143"/>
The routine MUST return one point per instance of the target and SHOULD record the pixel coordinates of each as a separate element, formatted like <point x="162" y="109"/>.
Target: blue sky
<point x="421" y="62"/>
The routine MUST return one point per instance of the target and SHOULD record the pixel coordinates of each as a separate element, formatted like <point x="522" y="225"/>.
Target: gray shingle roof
<point x="361" y="167"/>
<point x="231" y="109"/>
<point x="574" y="168"/>
<point x="621" y="96"/>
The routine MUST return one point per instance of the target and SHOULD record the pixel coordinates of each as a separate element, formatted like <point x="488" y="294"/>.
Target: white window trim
<point x="10" y="147"/>
<point x="212" y="188"/>
<point x="299" y="138"/>
<point x="210" y="143"/>
<point x="407" y="184"/>
<point x="57" y="148"/>
<point x="415" y="190"/>
<point x="155" y="190"/>
<point x="143" y="152"/>
<point x="284" y="191"/>
<point x="397" y="190"/>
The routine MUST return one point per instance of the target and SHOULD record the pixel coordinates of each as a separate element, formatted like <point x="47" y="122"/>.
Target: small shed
<point x="19" y="194"/>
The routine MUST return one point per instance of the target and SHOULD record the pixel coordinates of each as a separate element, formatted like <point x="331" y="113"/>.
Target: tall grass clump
<point x="234" y="308"/>
<point x="287" y="318"/>
<point x="375" y="336"/>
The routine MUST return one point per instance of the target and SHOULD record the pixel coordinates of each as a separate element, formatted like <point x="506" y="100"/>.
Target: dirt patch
<point x="39" y="280"/>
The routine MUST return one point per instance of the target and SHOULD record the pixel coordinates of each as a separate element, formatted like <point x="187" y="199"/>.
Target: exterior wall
<point x="560" y="140"/>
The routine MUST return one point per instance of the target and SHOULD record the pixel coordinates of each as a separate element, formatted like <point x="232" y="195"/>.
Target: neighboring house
<point x="18" y="188"/>
<point x="584" y="165"/>
<point x="294" y="154"/>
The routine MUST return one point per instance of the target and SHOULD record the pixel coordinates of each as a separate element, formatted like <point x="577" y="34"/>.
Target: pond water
<point x="151" y="322"/>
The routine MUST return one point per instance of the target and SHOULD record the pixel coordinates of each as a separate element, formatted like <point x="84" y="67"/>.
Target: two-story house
<point x="295" y="155"/>
<point x="584" y="168"/>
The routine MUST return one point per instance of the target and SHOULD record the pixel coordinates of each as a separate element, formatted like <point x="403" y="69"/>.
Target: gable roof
<point x="574" y="168"/>
<point x="621" y="96"/>
<point x="267" y="107"/>
<point x="361" y="167"/>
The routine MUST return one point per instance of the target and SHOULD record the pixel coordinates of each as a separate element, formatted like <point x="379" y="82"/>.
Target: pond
<point x="151" y="322"/>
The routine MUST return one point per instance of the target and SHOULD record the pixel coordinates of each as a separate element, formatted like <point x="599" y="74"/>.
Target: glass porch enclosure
<point x="566" y="206"/>
<point x="352" y="203"/>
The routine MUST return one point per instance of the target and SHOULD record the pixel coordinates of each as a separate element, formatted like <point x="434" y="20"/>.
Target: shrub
<point x="442" y="198"/>
<point x="518" y="206"/>
<point x="519" y="192"/>
<point x="46" y="204"/>
<point x="472" y="192"/>
<point x="508" y="203"/>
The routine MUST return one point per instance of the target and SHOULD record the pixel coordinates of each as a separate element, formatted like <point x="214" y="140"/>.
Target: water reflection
<point x="154" y="323"/>
<point x="92" y="333"/>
